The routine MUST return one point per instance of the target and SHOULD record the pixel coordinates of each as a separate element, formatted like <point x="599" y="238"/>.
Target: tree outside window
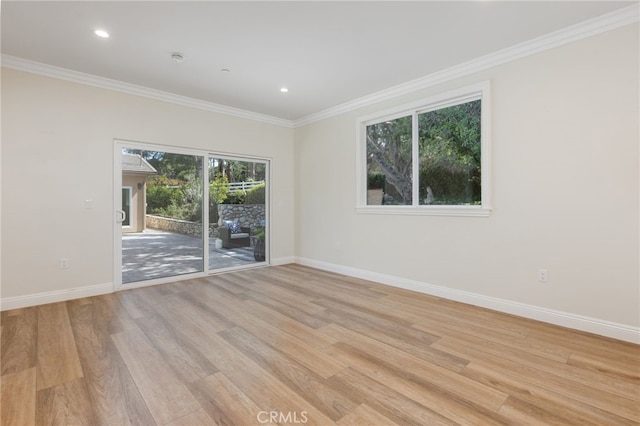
<point x="429" y="156"/>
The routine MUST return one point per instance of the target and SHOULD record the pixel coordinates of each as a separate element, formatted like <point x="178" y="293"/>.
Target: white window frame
<point x="465" y="94"/>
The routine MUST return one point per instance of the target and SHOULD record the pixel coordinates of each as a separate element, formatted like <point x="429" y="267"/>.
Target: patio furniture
<point x="234" y="240"/>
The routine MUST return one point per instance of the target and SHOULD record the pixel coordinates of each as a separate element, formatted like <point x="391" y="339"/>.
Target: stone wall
<point x="251" y="215"/>
<point x="179" y="226"/>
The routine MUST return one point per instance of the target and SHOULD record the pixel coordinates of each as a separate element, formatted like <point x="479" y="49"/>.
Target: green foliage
<point x="449" y="140"/>
<point x="163" y="181"/>
<point x="192" y="209"/>
<point x="161" y="197"/>
<point x="236" y="198"/>
<point x="176" y="191"/>
<point x="182" y="201"/>
<point x="260" y="233"/>
<point x="237" y="171"/>
<point x="219" y="189"/>
<point x="375" y="181"/>
<point x="449" y="156"/>
<point x="389" y="148"/>
<point x="256" y="195"/>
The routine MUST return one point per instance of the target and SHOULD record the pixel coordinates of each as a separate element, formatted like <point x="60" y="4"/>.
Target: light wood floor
<point x="296" y="345"/>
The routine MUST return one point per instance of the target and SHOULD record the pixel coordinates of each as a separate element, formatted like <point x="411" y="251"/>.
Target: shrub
<point x="375" y="181"/>
<point x="163" y="197"/>
<point x="235" y="198"/>
<point x="255" y="195"/>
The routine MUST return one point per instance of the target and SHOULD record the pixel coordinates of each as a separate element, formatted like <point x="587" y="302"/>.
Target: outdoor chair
<point x="234" y="240"/>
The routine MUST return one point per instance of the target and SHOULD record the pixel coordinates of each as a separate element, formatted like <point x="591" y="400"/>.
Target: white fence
<point x="243" y="186"/>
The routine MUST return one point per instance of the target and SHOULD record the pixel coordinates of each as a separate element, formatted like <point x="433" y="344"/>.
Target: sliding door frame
<point x="119" y="144"/>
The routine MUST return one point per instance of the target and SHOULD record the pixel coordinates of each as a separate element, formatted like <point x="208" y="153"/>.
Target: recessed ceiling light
<point x="101" y="33"/>
<point x="284" y="89"/>
<point x="177" y="57"/>
<point x="225" y="70"/>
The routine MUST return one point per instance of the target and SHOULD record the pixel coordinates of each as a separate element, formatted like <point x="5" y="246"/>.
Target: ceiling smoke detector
<point x="177" y="57"/>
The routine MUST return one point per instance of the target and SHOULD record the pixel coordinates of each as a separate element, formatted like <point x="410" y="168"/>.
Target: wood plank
<point x="185" y="360"/>
<point x="365" y="416"/>
<point x="265" y="390"/>
<point x="297" y="315"/>
<point x="57" y="355"/>
<point x="275" y="318"/>
<point x="303" y="348"/>
<point x="608" y="367"/>
<point x="407" y="365"/>
<point x="272" y="291"/>
<point x="522" y="413"/>
<point x="113" y="394"/>
<point x="291" y="372"/>
<point x="189" y="310"/>
<point x="109" y="314"/>
<point x="620" y="406"/>
<point x="18" y="398"/>
<point x="586" y="343"/>
<point x="445" y="326"/>
<point x="197" y="418"/>
<point x="470" y="321"/>
<point x="384" y="400"/>
<point x="135" y="301"/>
<point x="625" y="387"/>
<point x="421" y="389"/>
<point x="19" y="340"/>
<point x="385" y="332"/>
<point x="166" y="396"/>
<point x="224" y="402"/>
<point x="320" y="285"/>
<point x="539" y="395"/>
<point x="65" y="404"/>
<point x="229" y="283"/>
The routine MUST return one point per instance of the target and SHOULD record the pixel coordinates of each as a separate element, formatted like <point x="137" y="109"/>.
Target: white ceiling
<point x="326" y="53"/>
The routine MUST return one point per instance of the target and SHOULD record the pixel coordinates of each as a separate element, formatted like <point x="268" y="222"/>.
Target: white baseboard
<point x="54" y="296"/>
<point x="577" y="322"/>
<point x="283" y="260"/>
<point x="25" y="301"/>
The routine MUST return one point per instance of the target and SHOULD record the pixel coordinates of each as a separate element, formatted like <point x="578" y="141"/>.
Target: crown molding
<point x="589" y="28"/>
<point x="607" y="22"/>
<point x="39" y="68"/>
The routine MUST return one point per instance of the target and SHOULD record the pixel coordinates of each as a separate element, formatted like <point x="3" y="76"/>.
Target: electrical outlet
<point x="64" y="263"/>
<point x="543" y="275"/>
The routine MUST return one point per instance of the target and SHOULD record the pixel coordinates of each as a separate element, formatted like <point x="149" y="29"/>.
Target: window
<point x="429" y="157"/>
<point x="126" y="205"/>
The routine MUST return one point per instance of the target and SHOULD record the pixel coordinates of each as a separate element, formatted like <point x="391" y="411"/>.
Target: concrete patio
<point x="157" y="254"/>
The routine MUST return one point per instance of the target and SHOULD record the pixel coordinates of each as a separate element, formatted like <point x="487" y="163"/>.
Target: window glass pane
<point x="449" y="155"/>
<point x="126" y="206"/>
<point x="389" y="162"/>
<point x="237" y="212"/>
<point x="167" y="209"/>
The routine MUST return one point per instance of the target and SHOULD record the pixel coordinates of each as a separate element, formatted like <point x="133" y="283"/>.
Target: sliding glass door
<point x="187" y="213"/>
<point x="237" y="212"/>
<point x="162" y="223"/>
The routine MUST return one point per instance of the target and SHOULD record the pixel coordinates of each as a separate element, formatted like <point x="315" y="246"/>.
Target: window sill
<point x="465" y="211"/>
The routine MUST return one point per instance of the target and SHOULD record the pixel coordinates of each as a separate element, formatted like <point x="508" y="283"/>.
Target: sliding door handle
<point x="121" y="216"/>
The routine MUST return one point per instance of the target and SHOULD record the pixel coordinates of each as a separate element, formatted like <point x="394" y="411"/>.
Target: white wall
<point x="57" y="151"/>
<point x="565" y="187"/>
<point x="565" y="193"/>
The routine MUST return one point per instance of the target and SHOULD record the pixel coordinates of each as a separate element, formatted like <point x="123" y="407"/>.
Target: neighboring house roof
<point x="134" y="163"/>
